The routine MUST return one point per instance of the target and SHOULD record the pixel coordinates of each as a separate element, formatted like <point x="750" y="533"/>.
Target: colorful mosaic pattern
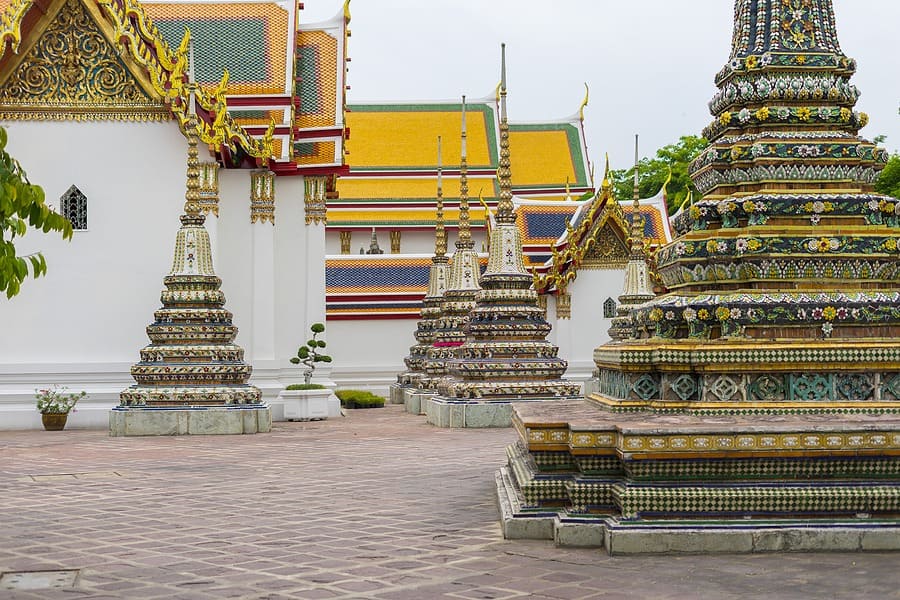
<point x="763" y="386"/>
<point x="375" y="287"/>
<point x="317" y="81"/>
<point x="248" y="39"/>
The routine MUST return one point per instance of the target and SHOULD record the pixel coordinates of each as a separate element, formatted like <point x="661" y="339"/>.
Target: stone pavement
<point x="377" y="505"/>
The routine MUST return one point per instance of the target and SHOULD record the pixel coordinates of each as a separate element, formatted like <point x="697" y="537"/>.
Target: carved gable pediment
<point x="70" y="70"/>
<point x="608" y="249"/>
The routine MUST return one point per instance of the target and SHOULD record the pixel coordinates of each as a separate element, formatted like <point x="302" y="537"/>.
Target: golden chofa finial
<point x="587" y="94"/>
<point x="347" y="11"/>
<point x="606" y="183"/>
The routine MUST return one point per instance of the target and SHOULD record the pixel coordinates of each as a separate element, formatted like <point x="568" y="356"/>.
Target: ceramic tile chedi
<point x="779" y="327"/>
<point x="192" y="377"/>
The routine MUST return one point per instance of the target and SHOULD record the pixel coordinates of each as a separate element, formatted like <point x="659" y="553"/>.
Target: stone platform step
<point x="584" y="428"/>
<point x="692" y="536"/>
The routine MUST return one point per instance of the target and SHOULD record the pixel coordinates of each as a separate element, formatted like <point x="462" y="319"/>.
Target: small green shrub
<point x="305" y="386"/>
<point x="359" y="399"/>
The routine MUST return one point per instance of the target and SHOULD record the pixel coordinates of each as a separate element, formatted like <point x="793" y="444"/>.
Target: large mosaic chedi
<point x="756" y="400"/>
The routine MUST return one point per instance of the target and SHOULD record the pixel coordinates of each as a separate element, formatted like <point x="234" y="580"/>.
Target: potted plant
<point x="309" y="401"/>
<point x="54" y="405"/>
<point x="309" y="354"/>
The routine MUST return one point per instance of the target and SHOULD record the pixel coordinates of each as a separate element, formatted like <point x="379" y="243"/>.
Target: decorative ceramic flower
<point x="689" y="314"/>
<point x="827" y="328"/>
<point x="656" y="315"/>
<point x="763" y="113"/>
<point x="722" y="313"/>
<point x="829" y="312"/>
<point x="804" y="113"/>
<point x="817" y="313"/>
<point x="845" y="115"/>
<point x="752" y="62"/>
<point x="744" y="115"/>
<point x="670" y="315"/>
<point x="740" y="245"/>
<point x="703" y="314"/>
<point x="725" y="118"/>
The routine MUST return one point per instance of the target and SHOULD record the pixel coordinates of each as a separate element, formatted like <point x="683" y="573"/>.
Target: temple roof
<point x="393" y="160"/>
<point x="377" y="286"/>
<point x="543" y="223"/>
<point x="248" y="56"/>
<point x="592" y="223"/>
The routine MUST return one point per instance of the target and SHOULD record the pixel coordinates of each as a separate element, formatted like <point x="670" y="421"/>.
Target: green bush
<point x="359" y="399"/>
<point x="305" y="386"/>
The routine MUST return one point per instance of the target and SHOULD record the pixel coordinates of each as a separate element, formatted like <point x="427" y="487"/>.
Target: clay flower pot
<point x="54" y="421"/>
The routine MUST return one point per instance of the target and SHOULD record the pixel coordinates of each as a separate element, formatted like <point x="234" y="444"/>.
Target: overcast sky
<point x="649" y="63"/>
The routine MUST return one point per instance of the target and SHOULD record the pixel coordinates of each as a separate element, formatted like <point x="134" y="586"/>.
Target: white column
<point x="314" y="251"/>
<point x="262" y="244"/>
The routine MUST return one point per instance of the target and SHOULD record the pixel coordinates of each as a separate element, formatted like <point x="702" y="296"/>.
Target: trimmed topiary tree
<point x="310" y="354"/>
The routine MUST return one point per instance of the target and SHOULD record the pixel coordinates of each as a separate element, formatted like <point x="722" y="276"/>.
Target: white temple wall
<point x="587" y="328"/>
<point x="369" y="354"/>
<point x="83" y="324"/>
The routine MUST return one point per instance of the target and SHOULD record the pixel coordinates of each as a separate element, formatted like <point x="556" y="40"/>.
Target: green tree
<point x="22" y="206"/>
<point x="889" y="179"/>
<point x="309" y="354"/>
<point x="653" y="172"/>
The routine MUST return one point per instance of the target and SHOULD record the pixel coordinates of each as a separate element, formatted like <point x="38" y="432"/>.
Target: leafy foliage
<point x="309" y="354"/>
<point x="22" y="206"/>
<point x="889" y="179"/>
<point x="359" y="399"/>
<point x="653" y="172"/>
<point x="55" y="400"/>
<point x="305" y="386"/>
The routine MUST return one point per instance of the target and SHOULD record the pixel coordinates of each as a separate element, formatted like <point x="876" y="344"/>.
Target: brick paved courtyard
<point x="374" y="505"/>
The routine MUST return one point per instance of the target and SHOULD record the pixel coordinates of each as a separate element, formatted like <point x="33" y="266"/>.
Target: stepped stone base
<point x="449" y="412"/>
<point x="415" y="401"/>
<point x="397" y="393"/>
<point x="452" y="412"/>
<point x="646" y="482"/>
<point x="672" y="536"/>
<point x="198" y="420"/>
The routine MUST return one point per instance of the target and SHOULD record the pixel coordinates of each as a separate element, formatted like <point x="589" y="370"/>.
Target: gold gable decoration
<point x="72" y="72"/>
<point x="606" y="250"/>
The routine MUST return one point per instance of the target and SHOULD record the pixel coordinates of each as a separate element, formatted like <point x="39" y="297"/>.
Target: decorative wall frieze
<point x="563" y="305"/>
<point x="314" y="201"/>
<point x="209" y="188"/>
<point x="346" y="238"/>
<point x="262" y="196"/>
<point x="395" y="241"/>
